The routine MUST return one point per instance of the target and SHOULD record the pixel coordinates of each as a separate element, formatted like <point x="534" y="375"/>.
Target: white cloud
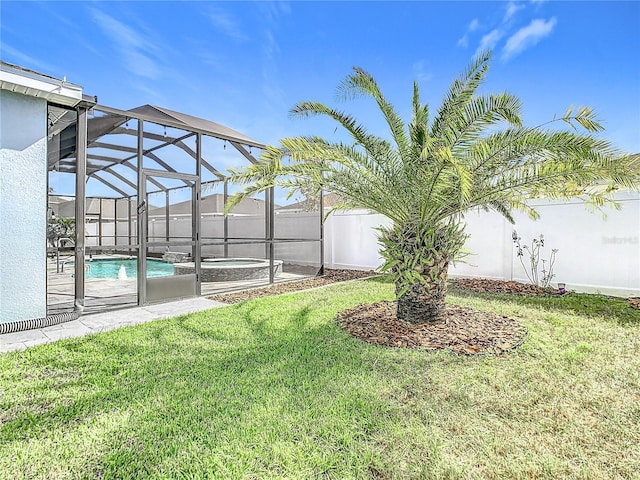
<point x="211" y="58"/>
<point x="528" y="36"/>
<point x="273" y="17"/>
<point x="117" y="30"/>
<point x="13" y="55"/>
<point x="227" y="25"/>
<point x="272" y="11"/>
<point x="489" y="40"/>
<point x="135" y="49"/>
<point x="512" y="9"/>
<point x="473" y="26"/>
<point x="270" y="47"/>
<point x="420" y="71"/>
<point x="141" y="65"/>
<point x="271" y="50"/>
<point x="149" y="93"/>
<point x="518" y="41"/>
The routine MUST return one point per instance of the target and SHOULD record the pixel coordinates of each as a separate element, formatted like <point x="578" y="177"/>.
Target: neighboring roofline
<point x="21" y="80"/>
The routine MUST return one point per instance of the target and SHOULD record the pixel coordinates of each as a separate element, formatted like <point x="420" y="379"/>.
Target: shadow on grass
<point x="194" y="395"/>
<point x="614" y="309"/>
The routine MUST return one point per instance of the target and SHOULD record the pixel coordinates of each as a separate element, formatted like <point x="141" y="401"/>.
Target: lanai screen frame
<point x="79" y="162"/>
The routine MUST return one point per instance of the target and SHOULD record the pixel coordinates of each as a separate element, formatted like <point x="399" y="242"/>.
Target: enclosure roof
<point x="170" y="118"/>
<point x="107" y="120"/>
<point x="189" y="122"/>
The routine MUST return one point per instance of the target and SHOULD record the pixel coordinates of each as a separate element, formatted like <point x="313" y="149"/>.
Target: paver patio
<point x="101" y="322"/>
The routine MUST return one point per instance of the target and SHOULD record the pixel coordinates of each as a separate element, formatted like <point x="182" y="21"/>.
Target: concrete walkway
<point x="101" y="322"/>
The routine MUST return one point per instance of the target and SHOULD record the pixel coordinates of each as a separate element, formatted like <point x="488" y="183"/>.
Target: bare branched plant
<point x="534" y="252"/>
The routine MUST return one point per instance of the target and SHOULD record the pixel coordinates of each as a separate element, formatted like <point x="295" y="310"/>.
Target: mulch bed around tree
<point x="461" y="329"/>
<point x="330" y="276"/>
<point x="483" y="285"/>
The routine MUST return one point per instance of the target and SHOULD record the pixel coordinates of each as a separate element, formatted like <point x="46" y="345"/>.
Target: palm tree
<point x="475" y="153"/>
<point x="61" y="231"/>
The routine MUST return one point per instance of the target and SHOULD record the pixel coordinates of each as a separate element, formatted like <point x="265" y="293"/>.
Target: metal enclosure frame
<point x="96" y="128"/>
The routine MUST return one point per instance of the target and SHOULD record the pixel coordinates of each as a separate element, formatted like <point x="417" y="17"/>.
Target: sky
<point x="245" y="64"/>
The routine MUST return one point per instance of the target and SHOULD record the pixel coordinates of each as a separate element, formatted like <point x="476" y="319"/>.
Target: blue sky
<point x="245" y="64"/>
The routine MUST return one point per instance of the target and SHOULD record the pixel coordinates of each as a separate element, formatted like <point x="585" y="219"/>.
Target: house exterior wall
<point x="23" y="205"/>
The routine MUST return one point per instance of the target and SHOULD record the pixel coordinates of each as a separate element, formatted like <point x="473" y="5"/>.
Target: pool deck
<point x="111" y="304"/>
<point x="111" y="293"/>
<point x="102" y="322"/>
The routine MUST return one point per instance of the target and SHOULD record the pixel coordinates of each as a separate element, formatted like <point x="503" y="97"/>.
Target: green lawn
<point x="273" y="389"/>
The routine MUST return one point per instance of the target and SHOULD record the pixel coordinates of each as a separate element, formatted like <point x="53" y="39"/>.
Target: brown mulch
<point x="634" y="302"/>
<point x="460" y="329"/>
<point x="330" y="276"/>
<point x="483" y="285"/>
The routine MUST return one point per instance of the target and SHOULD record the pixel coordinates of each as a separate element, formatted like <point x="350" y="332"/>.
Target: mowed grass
<point x="272" y="388"/>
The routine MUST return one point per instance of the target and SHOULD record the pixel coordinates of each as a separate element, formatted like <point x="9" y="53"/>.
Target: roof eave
<point x="33" y="84"/>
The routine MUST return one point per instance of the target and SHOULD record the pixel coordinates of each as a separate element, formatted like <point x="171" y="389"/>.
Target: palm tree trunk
<point x="423" y="302"/>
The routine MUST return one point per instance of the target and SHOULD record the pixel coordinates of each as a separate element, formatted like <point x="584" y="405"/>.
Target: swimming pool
<point x="110" y="268"/>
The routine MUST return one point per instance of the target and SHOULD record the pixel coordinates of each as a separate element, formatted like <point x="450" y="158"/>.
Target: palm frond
<point x="360" y="82"/>
<point x="475" y="154"/>
<point x="479" y="114"/>
<point x="460" y="92"/>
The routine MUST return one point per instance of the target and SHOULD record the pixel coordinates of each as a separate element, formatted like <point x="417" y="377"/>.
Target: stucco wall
<point x="23" y="200"/>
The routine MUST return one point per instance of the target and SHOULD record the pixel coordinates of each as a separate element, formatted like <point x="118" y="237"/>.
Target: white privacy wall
<point x="23" y="207"/>
<point x="595" y="254"/>
<point x="350" y="240"/>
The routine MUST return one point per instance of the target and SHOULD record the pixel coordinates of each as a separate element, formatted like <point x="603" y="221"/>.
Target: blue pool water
<point x="109" y="268"/>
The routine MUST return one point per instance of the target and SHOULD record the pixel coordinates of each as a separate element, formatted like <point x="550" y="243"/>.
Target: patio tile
<point x="27" y="335"/>
<point x="10" y="347"/>
<point x="32" y="343"/>
<point x="116" y="318"/>
<point x="68" y="330"/>
<point x="100" y="322"/>
<point x="172" y="309"/>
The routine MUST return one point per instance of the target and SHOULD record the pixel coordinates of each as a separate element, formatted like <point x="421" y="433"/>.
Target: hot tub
<point x="230" y="269"/>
